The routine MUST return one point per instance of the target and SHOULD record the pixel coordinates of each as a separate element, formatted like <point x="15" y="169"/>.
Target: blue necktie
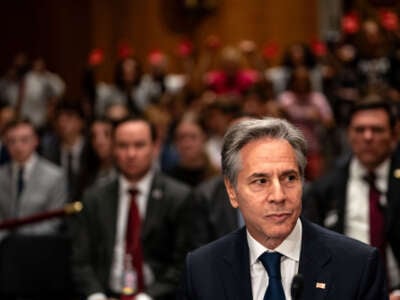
<point x="272" y="263"/>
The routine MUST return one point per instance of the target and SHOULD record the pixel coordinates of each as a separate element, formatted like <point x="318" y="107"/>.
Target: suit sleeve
<point x="84" y="277"/>
<point x="373" y="285"/>
<point x="184" y="285"/>
<point x="167" y="279"/>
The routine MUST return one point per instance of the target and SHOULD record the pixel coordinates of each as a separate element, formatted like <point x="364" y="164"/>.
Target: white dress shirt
<point x="290" y="250"/>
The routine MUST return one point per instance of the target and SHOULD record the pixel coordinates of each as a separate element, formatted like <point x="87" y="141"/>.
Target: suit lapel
<point x="340" y="197"/>
<point x="9" y="192"/>
<point x="109" y="206"/>
<point x="235" y="268"/>
<point x="393" y="193"/>
<point x="314" y="259"/>
<point x="154" y="207"/>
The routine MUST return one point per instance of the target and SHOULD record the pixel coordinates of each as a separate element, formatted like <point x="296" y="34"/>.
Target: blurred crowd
<point x="315" y="86"/>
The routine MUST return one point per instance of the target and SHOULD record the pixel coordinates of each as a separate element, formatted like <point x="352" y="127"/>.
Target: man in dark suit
<point x="341" y="200"/>
<point x="102" y="261"/>
<point x="67" y="145"/>
<point x="212" y="215"/>
<point x="263" y="164"/>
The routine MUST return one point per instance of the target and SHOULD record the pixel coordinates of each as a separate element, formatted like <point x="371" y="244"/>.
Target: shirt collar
<point x="358" y="171"/>
<point x="28" y="165"/>
<point x="290" y="247"/>
<point x="76" y="148"/>
<point x="143" y="185"/>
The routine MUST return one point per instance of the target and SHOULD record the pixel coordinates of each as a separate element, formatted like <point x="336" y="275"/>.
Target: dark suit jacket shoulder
<point x="213" y="215"/>
<point x="348" y="269"/>
<point x="325" y="201"/>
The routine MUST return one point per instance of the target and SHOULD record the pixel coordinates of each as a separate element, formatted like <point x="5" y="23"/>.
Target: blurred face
<point x="117" y="112"/>
<point x="21" y="142"/>
<point x="101" y="139"/>
<point x="301" y="81"/>
<point x="134" y="149"/>
<point x="268" y="190"/>
<point x="297" y="54"/>
<point x="189" y="140"/>
<point x="370" y="137"/>
<point x="253" y="105"/>
<point x="129" y="70"/>
<point x="69" y="124"/>
<point x="218" y="122"/>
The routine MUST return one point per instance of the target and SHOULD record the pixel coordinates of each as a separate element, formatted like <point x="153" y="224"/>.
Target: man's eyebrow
<point x="258" y="175"/>
<point x="291" y="171"/>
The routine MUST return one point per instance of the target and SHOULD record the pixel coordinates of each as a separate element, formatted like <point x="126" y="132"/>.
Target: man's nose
<point x="367" y="134"/>
<point x="131" y="151"/>
<point x="277" y="193"/>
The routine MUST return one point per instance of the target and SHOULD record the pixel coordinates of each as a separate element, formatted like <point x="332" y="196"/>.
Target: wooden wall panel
<point x="58" y="31"/>
<point x="65" y="31"/>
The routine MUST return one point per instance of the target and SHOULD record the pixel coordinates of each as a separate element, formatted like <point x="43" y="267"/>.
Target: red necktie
<point x="134" y="244"/>
<point x="376" y="217"/>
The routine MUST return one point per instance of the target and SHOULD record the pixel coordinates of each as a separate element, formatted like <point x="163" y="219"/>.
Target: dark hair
<point x="119" y="73"/>
<point x="17" y="122"/>
<point x="309" y="57"/>
<point x="374" y="101"/>
<point x="191" y="117"/>
<point x="295" y="76"/>
<point x="228" y="105"/>
<point x="263" y="89"/>
<point x="92" y="163"/>
<point x="135" y="118"/>
<point x="71" y="107"/>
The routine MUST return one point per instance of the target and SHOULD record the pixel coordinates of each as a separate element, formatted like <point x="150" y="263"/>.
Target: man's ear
<point x="231" y="193"/>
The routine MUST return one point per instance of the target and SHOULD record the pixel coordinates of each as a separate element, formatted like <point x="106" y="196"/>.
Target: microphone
<point x="296" y="289"/>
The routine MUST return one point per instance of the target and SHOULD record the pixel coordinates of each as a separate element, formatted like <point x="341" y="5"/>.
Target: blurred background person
<point x="135" y="223"/>
<point x="116" y="112"/>
<point x="373" y="64"/>
<point x="29" y="184"/>
<point x="231" y="77"/>
<point x="159" y="82"/>
<point x="296" y="55"/>
<point x="310" y="111"/>
<point x="66" y="145"/>
<point x="219" y="114"/>
<point x="36" y="90"/>
<point x="7" y="114"/>
<point x="98" y="168"/>
<point x="126" y="89"/>
<point x="359" y="196"/>
<point x="259" y="101"/>
<point x="194" y="165"/>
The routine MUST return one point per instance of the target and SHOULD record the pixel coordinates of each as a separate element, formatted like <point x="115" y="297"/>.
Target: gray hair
<point x="247" y="131"/>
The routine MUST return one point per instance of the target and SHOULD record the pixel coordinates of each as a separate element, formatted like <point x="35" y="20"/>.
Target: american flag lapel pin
<point x="320" y="285"/>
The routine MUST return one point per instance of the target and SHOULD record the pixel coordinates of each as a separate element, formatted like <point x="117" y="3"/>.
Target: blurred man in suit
<point x="29" y="184"/>
<point x="263" y="163"/>
<point x="211" y="214"/>
<point x="67" y="145"/>
<point x="343" y="200"/>
<point x="104" y="264"/>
